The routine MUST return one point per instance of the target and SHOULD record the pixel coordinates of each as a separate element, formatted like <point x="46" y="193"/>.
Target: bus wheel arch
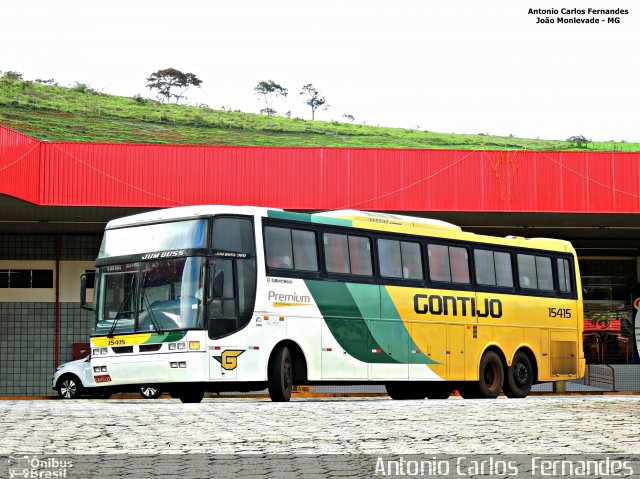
<point x="521" y="375"/>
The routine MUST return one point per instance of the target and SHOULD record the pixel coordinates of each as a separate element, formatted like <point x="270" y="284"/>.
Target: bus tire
<point x="280" y="375"/>
<point x="470" y="390"/>
<point x="69" y="387"/>
<point x="519" y="377"/>
<point x="439" y="391"/>
<point x="491" y="378"/>
<point x="401" y="391"/>
<point x="192" y="395"/>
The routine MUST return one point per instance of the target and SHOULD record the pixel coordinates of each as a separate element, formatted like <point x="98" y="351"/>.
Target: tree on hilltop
<point x="268" y="89"/>
<point x="172" y="83"/>
<point x="314" y="100"/>
<point x="579" y="140"/>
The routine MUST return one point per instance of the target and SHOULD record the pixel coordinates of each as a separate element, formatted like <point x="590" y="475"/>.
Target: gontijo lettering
<point x="456" y="305"/>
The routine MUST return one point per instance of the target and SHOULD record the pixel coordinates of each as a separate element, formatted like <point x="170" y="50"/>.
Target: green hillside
<point x="56" y="113"/>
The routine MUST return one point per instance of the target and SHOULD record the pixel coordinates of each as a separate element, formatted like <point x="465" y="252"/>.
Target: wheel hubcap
<point x="491" y="376"/>
<point x="288" y="375"/>
<point x="148" y="392"/>
<point x="68" y="389"/>
<point x="521" y="374"/>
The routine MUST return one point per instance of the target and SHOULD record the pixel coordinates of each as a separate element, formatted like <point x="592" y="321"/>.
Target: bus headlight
<point x="194" y="345"/>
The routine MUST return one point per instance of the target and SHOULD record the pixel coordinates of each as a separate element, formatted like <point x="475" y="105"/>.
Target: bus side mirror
<point x="83" y="291"/>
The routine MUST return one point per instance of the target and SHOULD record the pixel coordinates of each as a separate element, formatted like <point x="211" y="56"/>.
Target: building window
<point x="26" y="278"/>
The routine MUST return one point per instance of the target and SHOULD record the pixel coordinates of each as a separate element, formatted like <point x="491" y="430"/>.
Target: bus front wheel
<point x="519" y="377"/>
<point x="191" y="395"/>
<point x="280" y="375"/>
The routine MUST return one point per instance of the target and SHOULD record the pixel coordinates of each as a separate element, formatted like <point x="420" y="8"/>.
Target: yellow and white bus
<point x="222" y="298"/>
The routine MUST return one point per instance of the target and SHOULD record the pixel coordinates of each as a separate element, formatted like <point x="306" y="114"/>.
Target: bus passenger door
<point x="222" y="323"/>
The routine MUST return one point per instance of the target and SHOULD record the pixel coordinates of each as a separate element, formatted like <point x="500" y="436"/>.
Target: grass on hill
<point x="78" y="113"/>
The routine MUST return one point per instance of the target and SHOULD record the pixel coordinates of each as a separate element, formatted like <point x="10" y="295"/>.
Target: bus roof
<point x="183" y="213"/>
<point x="351" y="218"/>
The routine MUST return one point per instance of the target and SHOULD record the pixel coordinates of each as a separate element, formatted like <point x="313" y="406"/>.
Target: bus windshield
<point x="152" y="296"/>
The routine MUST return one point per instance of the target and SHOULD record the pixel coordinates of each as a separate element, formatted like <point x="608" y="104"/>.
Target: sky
<point x="462" y="66"/>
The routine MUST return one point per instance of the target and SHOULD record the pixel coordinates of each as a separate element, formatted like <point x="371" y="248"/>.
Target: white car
<point x="74" y="379"/>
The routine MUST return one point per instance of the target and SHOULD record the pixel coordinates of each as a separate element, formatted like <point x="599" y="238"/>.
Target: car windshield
<point x="152" y="296"/>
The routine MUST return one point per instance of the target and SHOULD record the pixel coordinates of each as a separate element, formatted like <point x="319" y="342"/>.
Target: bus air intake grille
<point x="122" y="349"/>
<point x="148" y="348"/>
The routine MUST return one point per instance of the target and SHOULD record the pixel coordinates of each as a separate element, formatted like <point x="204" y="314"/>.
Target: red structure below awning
<point x="149" y="176"/>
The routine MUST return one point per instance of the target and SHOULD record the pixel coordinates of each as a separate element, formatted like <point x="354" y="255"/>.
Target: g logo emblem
<point x="229" y="358"/>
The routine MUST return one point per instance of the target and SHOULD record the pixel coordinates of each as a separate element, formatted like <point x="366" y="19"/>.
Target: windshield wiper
<point x="121" y="308"/>
<point x="145" y="300"/>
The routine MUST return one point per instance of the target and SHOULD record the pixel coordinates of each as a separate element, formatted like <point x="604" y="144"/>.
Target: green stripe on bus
<point x="326" y="220"/>
<point x="287" y="215"/>
<point x="307" y="218"/>
<point x="393" y="330"/>
<point x="344" y="319"/>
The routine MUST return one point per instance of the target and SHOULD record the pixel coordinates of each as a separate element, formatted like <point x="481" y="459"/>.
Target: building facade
<point x="56" y="197"/>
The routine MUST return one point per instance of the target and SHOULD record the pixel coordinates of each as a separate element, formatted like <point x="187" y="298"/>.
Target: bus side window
<point x="527" y="277"/>
<point x="544" y="273"/>
<point x="278" y="247"/>
<point x="411" y="260"/>
<point x="336" y="253"/>
<point x="564" y="275"/>
<point x="459" y="265"/>
<point x="439" y="263"/>
<point x="493" y="268"/>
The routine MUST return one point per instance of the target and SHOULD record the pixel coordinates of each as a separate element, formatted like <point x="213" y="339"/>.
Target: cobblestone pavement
<point x="538" y="425"/>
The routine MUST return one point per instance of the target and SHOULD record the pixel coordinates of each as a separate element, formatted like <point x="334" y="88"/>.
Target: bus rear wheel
<point x="519" y="377"/>
<point x="490" y="381"/>
<point x="280" y="375"/>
